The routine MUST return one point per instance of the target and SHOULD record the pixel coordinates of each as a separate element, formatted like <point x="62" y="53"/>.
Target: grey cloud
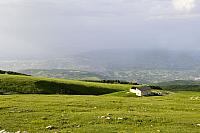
<point x="40" y="27"/>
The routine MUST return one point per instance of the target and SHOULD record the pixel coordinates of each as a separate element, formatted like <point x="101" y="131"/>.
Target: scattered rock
<point x="50" y="127"/>
<point x="194" y="98"/>
<point x="102" y="116"/>
<point x="198" y="125"/>
<point x="119" y="118"/>
<point x="108" y="118"/>
<point x="3" y="131"/>
<point x="78" y="126"/>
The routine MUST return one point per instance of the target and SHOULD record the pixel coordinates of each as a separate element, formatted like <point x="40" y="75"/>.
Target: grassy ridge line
<point x="179" y="82"/>
<point x="180" y="85"/>
<point x="40" y="85"/>
<point x="12" y="73"/>
<point x="182" y="88"/>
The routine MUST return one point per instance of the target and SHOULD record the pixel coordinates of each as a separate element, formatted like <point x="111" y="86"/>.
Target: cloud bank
<point x="183" y="5"/>
<point x="50" y="27"/>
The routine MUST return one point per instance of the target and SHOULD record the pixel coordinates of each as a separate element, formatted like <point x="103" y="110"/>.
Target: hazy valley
<point x="144" y="66"/>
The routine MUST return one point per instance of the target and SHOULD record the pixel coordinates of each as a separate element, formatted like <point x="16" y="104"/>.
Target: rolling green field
<point x="40" y="85"/>
<point x="44" y="105"/>
<point x="178" y="112"/>
<point x="181" y="85"/>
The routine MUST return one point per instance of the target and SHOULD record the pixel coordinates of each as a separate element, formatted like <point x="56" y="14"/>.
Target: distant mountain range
<point x="113" y="59"/>
<point x="145" y="59"/>
<point x="140" y="65"/>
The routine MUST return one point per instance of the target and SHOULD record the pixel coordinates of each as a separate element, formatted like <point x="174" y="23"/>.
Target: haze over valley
<point x="142" y="65"/>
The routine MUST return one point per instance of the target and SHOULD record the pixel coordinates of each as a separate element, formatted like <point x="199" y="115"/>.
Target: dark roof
<point x="144" y="88"/>
<point x="133" y="87"/>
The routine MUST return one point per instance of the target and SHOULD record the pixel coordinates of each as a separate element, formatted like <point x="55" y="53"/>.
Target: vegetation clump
<point x="113" y="82"/>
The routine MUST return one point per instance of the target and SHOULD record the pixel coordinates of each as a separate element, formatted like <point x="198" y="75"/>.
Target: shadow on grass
<point x="47" y="87"/>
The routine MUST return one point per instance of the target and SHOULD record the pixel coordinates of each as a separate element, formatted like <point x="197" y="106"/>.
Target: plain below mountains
<point x="143" y="66"/>
<point x="102" y="60"/>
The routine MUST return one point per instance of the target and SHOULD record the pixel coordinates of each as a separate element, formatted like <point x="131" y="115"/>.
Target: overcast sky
<point x="58" y="27"/>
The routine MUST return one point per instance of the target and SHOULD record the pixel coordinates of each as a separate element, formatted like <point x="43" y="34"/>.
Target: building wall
<point x="144" y="93"/>
<point x="136" y="91"/>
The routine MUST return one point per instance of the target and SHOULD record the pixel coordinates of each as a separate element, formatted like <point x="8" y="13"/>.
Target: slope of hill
<point x="180" y="85"/>
<point x="36" y="85"/>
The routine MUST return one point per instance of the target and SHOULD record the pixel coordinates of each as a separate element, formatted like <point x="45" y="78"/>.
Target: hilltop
<point x="180" y="85"/>
<point x="39" y="85"/>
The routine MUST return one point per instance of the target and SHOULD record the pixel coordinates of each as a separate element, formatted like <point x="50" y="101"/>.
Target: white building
<point x="143" y="91"/>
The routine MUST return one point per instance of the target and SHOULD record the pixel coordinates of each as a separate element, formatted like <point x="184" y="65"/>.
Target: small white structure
<point x="143" y="91"/>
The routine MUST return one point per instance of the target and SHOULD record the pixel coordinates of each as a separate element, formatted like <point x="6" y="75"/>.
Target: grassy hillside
<point x="174" y="113"/>
<point x="118" y="111"/>
<point x="37" y="85"/>
<point x="180" y="82"/>
<point x="180" y="85"/>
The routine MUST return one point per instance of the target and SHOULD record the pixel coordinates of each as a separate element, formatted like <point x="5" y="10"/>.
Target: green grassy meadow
<point x="177" y="112"/>
<point x="68" y="106"/>
<point x="39" y="85"/>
